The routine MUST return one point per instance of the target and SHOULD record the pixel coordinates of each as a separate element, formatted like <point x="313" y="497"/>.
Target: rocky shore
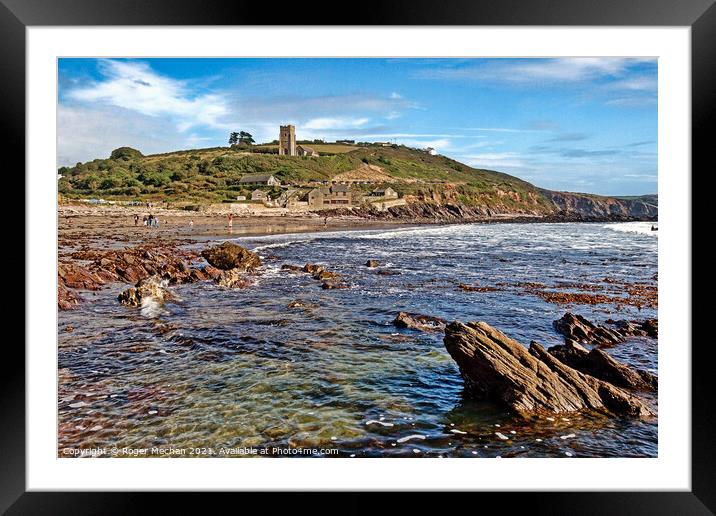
<point x="559" y="380"/>
<point x="564" y="378"/>
<point x="424" y="212"/>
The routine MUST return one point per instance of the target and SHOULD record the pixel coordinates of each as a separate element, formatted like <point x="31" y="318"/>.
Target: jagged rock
<point x="212" y="272"/>
<point x="232" y="279"/>
<point x="419" y="322"/>
<point x="77" y="276"/>
<point x="153" y="287"/>
<point x="498" y="368"/>
<point x="326" y="275"/>
<point x="577" y="329"/>
<point x="229" y="256"/>
<point x="372" y="263"/>
<point x="320" y="273"/>
<point x="66" y="299"/>
<point x="199" y="275"/>
<point x="600" y="365"/>
<point x="312" y="268"/>
<point x="646" y="328"/>
<point x="291" y="268"/>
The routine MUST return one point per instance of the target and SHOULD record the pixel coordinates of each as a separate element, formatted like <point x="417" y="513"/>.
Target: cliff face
<point x="596" y="207"/>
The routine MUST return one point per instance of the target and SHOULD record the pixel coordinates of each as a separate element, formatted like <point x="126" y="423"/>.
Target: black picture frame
<point x="700" y="15"/>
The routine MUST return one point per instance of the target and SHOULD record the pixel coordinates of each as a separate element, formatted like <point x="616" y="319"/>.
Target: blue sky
<point x="575" y="124"/>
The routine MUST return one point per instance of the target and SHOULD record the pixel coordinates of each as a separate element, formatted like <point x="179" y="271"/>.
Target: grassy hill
<point x="213" y="174"/>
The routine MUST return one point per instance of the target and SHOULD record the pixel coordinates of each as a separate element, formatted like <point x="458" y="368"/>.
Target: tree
<point x="245" y="137"/>
<point x="125" y="153"/>
<point x="233" y="138"/>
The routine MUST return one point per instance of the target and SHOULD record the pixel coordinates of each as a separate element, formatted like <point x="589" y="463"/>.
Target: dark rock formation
<point x="600" y="365"/>
<point x="646" y="328"/>
<point x="231" y="256"/>
<point x="330" y="280"/>
<point x="419" y="322"/>
<point x="291" y="268"/>
<point x="372" y="263"/>
<point x="499" y="369"/>
<point x="577" y="329"/>
<point x="150" y="288"/>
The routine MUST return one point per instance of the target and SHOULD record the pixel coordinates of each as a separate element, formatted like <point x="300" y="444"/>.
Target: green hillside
<point x="213" y="174"/>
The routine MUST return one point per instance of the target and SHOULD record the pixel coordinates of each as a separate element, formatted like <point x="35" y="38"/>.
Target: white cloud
<point x="335" y="123"/>
<point x="544" y="70"/>
<point x="85" y="133"/>
<point x="135" y="86"/>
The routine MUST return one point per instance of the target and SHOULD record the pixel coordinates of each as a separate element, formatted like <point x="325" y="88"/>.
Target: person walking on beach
<point x="144" y="220"/>
<point x="325" y="220"/>
<point x="191" y="223"/>
<point x="150" y="220"/>
<point x="136" y="220"/>
<point x="231" y="220"/>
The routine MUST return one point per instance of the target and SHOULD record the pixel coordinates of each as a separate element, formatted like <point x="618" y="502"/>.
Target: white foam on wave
<point x="410" y="437"/>
<point x="642" y="228"/>
<point x="373" y="422"/>
<point x="150" y="307"/>
<point x="285" y="243"/>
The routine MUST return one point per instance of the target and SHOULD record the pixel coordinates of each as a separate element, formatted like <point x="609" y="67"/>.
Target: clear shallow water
<point x="239" y="368"/>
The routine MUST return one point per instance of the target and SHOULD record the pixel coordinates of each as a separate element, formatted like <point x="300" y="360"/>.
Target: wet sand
<point x="103" y="227"/>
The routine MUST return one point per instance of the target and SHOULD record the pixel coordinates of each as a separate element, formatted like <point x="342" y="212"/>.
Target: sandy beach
<point x="113" y="226"/>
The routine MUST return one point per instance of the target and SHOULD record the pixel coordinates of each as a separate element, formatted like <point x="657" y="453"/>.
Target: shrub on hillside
<point x="125" y="153"/>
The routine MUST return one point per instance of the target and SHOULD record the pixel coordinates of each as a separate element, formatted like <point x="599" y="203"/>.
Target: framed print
<point x="422" y="252"/>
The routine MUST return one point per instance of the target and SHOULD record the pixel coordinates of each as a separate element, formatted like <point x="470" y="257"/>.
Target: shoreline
<point x="102" y="226"/>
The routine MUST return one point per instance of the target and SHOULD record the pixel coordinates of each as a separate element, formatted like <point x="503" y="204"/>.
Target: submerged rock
<point x="329" y="285"/>
<point x="291" y="268"/>
<point x="299" y="303"/>
<point x="419" y="322"/>
<point x="600" y="365"/>
<point x="498" y="368"/>
<point x="372" y="263"/>
<point x="229" y="256"/>
<point x="153" y="288"/>
<point x="476" y="288"/>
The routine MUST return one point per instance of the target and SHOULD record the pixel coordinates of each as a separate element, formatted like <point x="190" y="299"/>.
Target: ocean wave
<point x="275" y="245"/>
<point x="642" y="228"/>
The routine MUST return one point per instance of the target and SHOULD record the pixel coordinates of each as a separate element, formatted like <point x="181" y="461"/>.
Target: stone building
<point x="303" y="150"/>
<point x="259" y="195"/>
<point x="287" y="140"/>
<point x="335" y="196"/>
<point x="385" y="193"/>
<point x="259" y="179"/>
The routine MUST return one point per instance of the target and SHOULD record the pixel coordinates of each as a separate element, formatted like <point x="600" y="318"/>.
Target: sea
<point x="238" y="373"/>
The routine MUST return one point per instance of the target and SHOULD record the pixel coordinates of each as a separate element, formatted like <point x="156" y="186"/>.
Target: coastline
<point x="102" y="226"/>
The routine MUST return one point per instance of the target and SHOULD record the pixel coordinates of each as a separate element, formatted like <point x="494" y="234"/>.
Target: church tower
<point x="287" y="141"/>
